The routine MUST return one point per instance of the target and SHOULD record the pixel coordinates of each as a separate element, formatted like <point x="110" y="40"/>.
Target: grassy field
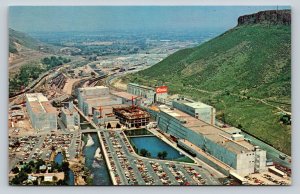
<point x="233" y="72"/>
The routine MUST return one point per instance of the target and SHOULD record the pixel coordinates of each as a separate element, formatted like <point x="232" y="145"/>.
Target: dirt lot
<point x="68" y="86"/>
<point x="119" y="84"/>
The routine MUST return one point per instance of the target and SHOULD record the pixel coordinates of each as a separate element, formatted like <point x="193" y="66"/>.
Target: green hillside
<point x="245" y="73"/>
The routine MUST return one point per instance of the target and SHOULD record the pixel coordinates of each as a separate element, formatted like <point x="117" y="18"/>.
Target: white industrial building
<point x="42" y="114"/>
<point x="151" y="94"/>
<point x="90" y="93"/>
<point x="70" y="117"/>
<point x="94" y="97"/>
<point x="128" y="98"/>
<point x="100" y="101"/>
<point x="226" y="150"/>
<point x="198" y="110"/>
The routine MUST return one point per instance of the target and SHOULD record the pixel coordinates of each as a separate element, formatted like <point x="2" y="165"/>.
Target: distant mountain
<point x="245" y="73"/>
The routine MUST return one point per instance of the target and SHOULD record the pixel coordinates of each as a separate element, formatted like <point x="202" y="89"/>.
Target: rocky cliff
<point x="267" y="17"/>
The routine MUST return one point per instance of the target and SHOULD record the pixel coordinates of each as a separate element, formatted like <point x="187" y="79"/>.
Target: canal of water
<point x="98" y="169"/>
<point x="154" y="145"/>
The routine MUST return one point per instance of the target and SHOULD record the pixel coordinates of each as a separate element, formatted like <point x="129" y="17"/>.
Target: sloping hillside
<point x="18" y="39"/>
<point x="245" y="73"/>
<point x="23" y="49"/>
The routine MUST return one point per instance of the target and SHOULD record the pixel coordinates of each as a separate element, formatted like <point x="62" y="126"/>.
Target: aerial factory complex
<point x="130" y="127"/>
<point x="89" y="116"/>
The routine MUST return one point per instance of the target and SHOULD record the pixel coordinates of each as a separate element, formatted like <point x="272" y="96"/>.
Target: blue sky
<point x="131" y="18"/>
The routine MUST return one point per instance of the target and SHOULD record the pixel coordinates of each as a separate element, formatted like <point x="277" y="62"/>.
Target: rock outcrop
<point x="282" y="17"/>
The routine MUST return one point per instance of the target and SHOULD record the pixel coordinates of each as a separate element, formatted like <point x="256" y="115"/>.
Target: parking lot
<point x="131" y="169"/>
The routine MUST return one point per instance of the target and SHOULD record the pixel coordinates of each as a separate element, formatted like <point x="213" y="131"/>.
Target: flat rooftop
<point x="42" y="107"/>
<point x="211" y="132"/>
<point x="193" y="104"/>
<point x="101" y="99"/>
<point x="93" y="88"/>
<point x="39" y="103"/>
<point x="39" y="97"/>
<point x="89" y="92"/>
<point x="124" y="95"/>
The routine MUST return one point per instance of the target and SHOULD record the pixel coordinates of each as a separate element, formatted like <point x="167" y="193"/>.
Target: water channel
<point x="98" y="168"/>
<point x="59" y="159"/>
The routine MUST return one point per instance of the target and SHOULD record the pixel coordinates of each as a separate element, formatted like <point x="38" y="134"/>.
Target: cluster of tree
<point x="145" y="153"/>
<point x="30" y="72"/>
<point x="19" y="178"/>
<point x="54" y="61"/>
<point x="26" y="74"/>
<point x="162" y="155"/>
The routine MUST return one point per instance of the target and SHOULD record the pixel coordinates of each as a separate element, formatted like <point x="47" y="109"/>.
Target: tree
<point x="20" y="178"/>
<point x="31" y="163"/>
<point x="16" y="180"/>
<point x="285" y="119"/>
<point x="108" y="125"/>
<point x="15" y="170"/>
<point x="159" y="155"/>
<point x="164" y="154"/>
<point x="65" y="166"/>
<point x="55" y="178"/>
<point x="145" y="153"/>
<point x="39" y="163"/>
<point x="27" y="169"/>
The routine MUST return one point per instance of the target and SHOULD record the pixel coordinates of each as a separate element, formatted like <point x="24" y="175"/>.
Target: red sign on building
<point x="161" y="89"/>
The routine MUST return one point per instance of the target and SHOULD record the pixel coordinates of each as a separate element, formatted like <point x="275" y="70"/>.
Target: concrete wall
<point x="260" y="160"/>
<point x="42" y="121"/>
<point x="206" y="114"/>
<point x="206" y="160"/>
<point x="87" y="106"/>
<point x="85" y="93"/>
<point x="70" y="121"/>
<point x="161" y="97"/>
<point x="245" y="163"/>
<point x="143" y="92"/>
